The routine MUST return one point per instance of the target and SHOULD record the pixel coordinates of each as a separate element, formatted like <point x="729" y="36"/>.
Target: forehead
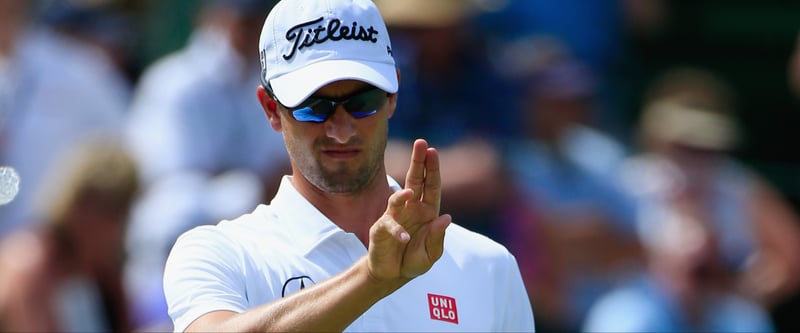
<point x="340" y="88"/>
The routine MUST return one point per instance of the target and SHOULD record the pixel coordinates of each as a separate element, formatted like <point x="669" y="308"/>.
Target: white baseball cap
<point x="306" y="44"/>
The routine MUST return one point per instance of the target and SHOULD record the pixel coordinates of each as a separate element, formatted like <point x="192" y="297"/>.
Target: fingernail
<point x="404" y="237"/>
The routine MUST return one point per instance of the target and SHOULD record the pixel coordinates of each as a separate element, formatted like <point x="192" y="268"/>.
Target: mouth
<point x="341" y="152"/>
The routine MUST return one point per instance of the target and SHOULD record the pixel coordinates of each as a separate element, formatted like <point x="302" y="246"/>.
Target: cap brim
<point x="293" y="88"/>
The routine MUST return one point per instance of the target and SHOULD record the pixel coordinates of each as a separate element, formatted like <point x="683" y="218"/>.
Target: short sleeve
<point x="203" y="273"/>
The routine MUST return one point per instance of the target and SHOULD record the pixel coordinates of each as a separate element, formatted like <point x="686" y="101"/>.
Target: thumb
<point x="435" y="241"/>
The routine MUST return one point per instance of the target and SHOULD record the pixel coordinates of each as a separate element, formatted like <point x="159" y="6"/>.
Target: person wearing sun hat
<point x="687" y="170"/>
<point x="342" y="246"/>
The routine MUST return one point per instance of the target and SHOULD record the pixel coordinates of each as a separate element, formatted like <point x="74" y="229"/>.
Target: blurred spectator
<point x="55" y="88"/>
<point x="688" y="131"/>
<point x="104" y="24"/>
<point x="451" y="97"/>
<point x="198" y="134"/>
<point x="595" y="32"/>
<point x="686" y="287"/>
<point x="65" y="274"/>
<point x="193" y="109"/>
<point x="578" y="235"/>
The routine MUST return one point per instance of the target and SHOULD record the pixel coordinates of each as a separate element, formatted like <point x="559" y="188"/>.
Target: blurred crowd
<point x="619" y="223"/>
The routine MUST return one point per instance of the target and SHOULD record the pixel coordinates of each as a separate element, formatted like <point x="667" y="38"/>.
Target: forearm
<point x="331" y="305"/>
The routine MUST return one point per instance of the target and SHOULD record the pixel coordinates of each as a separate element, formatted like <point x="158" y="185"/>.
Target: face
<point x="342" y="154"/>
<point x="697" y="164"/>
<point x="98" y="231"/>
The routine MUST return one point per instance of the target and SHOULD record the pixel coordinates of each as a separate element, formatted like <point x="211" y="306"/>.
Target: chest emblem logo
<point x="443" y="308"/>
<point x="295" y="284"/>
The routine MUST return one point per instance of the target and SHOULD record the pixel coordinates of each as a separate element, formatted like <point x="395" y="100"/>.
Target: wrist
<point x="377" y="285"/>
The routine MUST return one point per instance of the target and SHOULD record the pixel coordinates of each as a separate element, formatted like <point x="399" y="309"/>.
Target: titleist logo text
<point x="305" y="34"/>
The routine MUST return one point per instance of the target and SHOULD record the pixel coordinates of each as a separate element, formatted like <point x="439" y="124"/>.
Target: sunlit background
<point x="638" y="157"/>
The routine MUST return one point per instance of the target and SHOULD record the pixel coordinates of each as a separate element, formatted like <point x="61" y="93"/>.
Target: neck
<point x="353" y="212"/>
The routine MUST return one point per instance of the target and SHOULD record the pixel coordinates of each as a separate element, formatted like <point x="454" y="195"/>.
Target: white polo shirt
<point x="287" y="245"/>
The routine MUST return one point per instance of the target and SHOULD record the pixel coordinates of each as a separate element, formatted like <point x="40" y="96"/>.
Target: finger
<point x="435" y="240"/>
<point x="387" y="228"/>
<point x="415" y="177"/>
<point x="433" y="179"/>
<point x="397" y="231"/>
<point x="397" y="202"/>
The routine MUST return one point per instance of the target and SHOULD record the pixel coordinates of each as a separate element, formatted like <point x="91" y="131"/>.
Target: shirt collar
<point x="307" y="226"/>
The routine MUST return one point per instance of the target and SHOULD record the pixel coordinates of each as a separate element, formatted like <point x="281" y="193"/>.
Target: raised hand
<point x="409" y="237"/>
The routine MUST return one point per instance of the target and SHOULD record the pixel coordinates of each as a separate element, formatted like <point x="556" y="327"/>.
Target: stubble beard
<point x="341" y="178"/>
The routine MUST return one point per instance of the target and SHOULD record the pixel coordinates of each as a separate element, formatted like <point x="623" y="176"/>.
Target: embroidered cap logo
<point x="305" y="34"/>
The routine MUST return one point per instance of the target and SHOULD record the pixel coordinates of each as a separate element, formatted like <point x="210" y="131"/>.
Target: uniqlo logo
<point x="443" y="308"/>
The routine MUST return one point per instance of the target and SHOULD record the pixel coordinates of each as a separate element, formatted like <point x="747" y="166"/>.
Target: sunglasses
<point x="360" y="104"/>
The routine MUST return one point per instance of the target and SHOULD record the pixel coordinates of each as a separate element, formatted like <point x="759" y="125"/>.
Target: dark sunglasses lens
<point x="366" y="104"/>
<point x="359" y="106"/>
<point x="315" y="111"/>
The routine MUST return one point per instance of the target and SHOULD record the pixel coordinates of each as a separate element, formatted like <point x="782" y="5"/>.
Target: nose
<point x="340" y="126"/>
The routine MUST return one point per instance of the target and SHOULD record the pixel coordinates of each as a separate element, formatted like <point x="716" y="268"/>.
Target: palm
<point x="413" y="211"/>
<point x="417" y="257"/>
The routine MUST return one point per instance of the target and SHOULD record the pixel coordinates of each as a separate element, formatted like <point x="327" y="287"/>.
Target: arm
<point x="328" y="306"/>
<point x="404" y="243"/>
<point x="774" y="271"/>
<point x="26" y="285"/>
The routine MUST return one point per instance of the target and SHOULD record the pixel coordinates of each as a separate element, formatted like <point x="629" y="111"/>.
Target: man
<point x="329" y="253"/>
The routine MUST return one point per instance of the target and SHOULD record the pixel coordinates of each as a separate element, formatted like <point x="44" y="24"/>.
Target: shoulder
<point x="210" y="268"/>
<point x="226" y="239"/>
<point x="232" y="232"/>
<point x="462" y="242"/>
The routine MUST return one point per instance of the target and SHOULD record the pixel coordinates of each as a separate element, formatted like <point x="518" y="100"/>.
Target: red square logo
<point x="443" y="308"/>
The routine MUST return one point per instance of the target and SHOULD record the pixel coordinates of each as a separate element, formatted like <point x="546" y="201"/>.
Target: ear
<point x="270" y="107"/>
